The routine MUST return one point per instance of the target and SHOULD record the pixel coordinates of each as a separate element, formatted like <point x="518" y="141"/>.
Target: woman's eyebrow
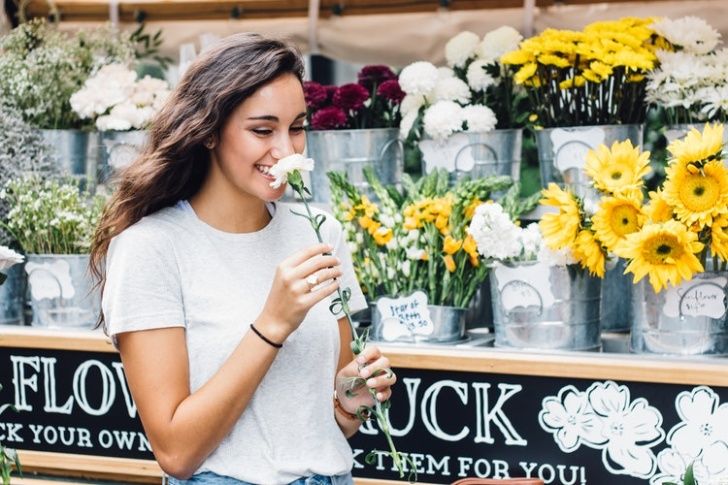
<point x="274" y="118"/>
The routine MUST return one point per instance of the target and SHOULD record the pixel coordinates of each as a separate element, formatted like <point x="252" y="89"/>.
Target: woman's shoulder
<point x="155" y="232"/>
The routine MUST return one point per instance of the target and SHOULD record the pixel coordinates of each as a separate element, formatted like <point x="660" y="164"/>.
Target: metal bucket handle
<point x="707" y="283"/>
<point x="483" y="144"/>
<point x="525" y="283"/>
<point x="570" y="142"/>
<point x="387" y="145"/>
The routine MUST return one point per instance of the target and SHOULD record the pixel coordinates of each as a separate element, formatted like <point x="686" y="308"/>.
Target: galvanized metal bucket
<point x="562" y="152"/>
<point x="61" y="291"/>
<point x="477" y="155"/>
<point x="75" y="152"/>
<point x="350" y="151"/>
<point x="448" y="326"/>
<point x="615" y="312"/>
<point x="537" y="306"/>
<point x="117" y="150"/>
<point x="12" y="296"/>
<point x="690" y="319"/>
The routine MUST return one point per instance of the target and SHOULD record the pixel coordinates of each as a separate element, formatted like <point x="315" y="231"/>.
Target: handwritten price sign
<point x="405" y="316"/>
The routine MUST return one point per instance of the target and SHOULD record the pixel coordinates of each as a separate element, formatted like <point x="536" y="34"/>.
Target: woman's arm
<point x="184" y="427"/>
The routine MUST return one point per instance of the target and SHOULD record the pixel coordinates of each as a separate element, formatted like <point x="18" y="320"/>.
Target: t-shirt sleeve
<point x="348" y="278"/>
<point x="142" y="289"/>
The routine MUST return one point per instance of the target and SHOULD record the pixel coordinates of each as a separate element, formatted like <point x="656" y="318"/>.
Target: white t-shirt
<point x="173" y="270"/>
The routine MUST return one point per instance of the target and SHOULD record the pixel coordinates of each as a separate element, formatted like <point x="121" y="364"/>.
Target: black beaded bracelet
<point x="264" y="338"/>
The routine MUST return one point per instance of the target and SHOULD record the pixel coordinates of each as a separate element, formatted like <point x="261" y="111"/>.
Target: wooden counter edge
<point x="69" y="465"/>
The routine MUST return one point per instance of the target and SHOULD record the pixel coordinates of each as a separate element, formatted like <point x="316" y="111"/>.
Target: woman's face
<point x="260" y="131"/>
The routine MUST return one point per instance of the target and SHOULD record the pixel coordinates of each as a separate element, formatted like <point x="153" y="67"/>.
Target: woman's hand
<point x="369" y="370"/>
<point x="301" y="281"/>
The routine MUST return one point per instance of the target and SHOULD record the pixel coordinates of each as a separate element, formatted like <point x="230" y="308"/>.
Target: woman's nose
<point x="283" y="147"/>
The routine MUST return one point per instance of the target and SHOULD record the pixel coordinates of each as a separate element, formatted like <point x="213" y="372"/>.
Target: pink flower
<point x="391" y="91"/>
<point x="328" y="118"/>
<point x="316" y="95"/>
<point x="350" y="97"/>
<point x="375" y="74"/>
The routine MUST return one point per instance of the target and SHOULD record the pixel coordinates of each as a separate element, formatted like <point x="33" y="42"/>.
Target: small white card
<point x="50" y="280"/>
<point x="405" y="316"/>
<point x="524" y="286"/>
<point x="443" y="154"/>
<point x="571" y="146"/>
<point x="697" y="298"/>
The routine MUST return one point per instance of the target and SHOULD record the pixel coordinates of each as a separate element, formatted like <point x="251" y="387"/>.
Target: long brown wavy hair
<point x="175" y="161"/>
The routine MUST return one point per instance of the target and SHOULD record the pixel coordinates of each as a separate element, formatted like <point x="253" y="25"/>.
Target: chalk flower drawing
<point x="700" y="438"/>
<point x="605" y="418"/>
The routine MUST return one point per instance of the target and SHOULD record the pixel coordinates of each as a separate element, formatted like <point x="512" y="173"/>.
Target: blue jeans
<point x="210" y="478"/>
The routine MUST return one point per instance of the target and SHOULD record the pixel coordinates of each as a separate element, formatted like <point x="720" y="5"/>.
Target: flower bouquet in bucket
<point x="682" y="251"/>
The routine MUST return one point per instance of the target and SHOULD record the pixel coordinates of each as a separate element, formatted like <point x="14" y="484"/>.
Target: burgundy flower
<point x="330" y="90"/>
<point x="315" y="94"/>
<point x="328" y="118"/>
<point x="350" y="97"/>
<point x="391" y="91"/>
<point x="372" y="75"/>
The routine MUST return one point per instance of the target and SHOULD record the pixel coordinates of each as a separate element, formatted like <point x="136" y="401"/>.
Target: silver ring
<point x="312" y="280"/>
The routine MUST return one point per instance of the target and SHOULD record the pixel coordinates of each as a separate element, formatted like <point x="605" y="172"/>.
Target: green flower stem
<point x="359" y="342"/>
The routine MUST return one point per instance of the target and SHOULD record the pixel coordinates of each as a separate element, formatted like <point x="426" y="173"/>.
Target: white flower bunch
<point x="419" y="78"/>
<point x="497" y="42"/>
<point x="461" y="48"/>
<point x="691" y="82"/>
<point x="499" y="239"/>
<point x="691" y="34"/>
<point x="117" y="101"/>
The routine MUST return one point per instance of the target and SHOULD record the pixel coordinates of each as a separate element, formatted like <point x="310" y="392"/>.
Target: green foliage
<point x="148" y="46"/>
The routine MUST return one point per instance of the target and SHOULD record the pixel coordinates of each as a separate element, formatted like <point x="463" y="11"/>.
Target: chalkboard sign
<point x="565" y="431"/>
<point x="451" y="423"/>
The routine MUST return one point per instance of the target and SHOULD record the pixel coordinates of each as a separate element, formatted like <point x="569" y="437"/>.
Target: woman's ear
<point x="210" y="142"/>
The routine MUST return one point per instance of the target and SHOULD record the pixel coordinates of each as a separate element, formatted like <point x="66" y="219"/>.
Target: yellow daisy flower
<point x="619" y="170"/>
<point x="697" y="197"/>
<point x="698" y="146"/>
<point x="589" y="253"/>
<point x="719" y="238"/>
<point x="382" y="235"/>
<point x="615" y="219"/>
<point x="658" y="210"/>
<point x="665" y="252"/>
<point x="559" y="229"/>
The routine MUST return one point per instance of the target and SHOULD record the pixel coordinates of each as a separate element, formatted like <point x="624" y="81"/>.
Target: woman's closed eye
<point x="268" y="131"/>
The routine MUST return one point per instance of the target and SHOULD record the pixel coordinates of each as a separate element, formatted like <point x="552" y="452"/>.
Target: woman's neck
<point x="227" y="209"/>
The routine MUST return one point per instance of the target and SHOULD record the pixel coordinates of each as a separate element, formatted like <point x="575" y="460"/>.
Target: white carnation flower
<point x="693" y="34"/>
<point x="411" y="103"/>
<point x="288" y="164"/>
<point x="461" y="48"/>
<point x="419" y="78"/>
<point x="478" y="78"/>
<point x="9" y="258"/>
<point x="111" y="123"/>
<point x="498" y="42"/>
<point x="479" y="118"/>
<point x="442" y="119"/>
<point x="549" y="257"/>
<point x="452" y="89"/>
<point x="531" y="241"/>
<point x="495" y="235"/>
<point x="405" y="125"/>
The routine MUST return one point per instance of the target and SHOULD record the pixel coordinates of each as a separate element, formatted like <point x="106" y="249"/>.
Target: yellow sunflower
<point x="664" y="251"/>
<point x="719" y="238"/>
<point x="697" y="146"/>
<point x="559" y="229"/>
<point x="697" y="197"/>
<point x="658" y="210"/>
<point x="619" y="170"/>
<point x="615" y="219"/>
<point x="589" y="253"/>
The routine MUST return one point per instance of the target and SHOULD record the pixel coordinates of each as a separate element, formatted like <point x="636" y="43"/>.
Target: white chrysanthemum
<point x="442" y="119"/>
<point x="452" y="89"/>
<point x="288" y="164"/>
<point x="716" y="101"/>
<point x="531" y="240"/>
<point x="479" y="118"/>
<point x="549" y="257"/>
<point x="111" y="123"/>
<point x="497" y="42"/>
<point x="445" y="72"/>
<point x="9" y="258"/>
<point x="478" y="78"/>
<point x="693" y="34"/>
<point x="419" y="78"/>
<point x="461" y="48"/>
<point x="495" y="234"/>
<point x="405" y="125"/>
<point x="410" y="103"/>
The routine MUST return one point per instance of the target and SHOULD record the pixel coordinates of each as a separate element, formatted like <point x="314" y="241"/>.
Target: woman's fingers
<point x="314" y="264"/>
<point x="299" y="257"/>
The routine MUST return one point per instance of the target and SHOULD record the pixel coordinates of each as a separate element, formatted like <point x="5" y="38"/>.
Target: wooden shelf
<point x="94" y="10"/>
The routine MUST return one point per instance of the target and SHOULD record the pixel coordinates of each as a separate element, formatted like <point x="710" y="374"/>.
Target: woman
<point x="218" y="298"/>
